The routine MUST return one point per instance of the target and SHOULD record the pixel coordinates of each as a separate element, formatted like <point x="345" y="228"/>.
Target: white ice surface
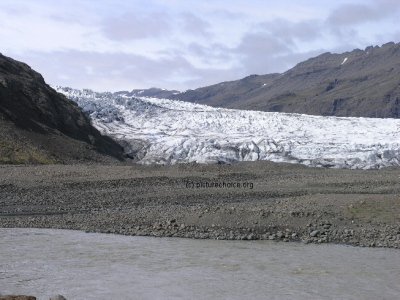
<point x="166" y="132"/>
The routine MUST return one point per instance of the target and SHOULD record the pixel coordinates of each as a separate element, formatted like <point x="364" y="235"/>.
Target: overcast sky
<point x="112" y="45"/>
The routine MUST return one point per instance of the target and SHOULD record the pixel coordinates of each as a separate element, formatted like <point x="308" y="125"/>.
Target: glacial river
<point x="85" y="266"/>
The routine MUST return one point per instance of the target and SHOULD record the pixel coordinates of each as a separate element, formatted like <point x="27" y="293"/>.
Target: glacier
<point x="161" y="131"/>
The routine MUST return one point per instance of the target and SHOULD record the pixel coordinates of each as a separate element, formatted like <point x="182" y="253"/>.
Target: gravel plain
<point x="245" y="201"/>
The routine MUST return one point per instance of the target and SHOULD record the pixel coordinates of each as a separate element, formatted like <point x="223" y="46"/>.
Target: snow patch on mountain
<point x="161" y="131"/>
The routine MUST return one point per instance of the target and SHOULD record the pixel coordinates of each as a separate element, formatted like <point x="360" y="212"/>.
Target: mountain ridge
<point x="151" y="92"/>
<point x="359" y="83"/>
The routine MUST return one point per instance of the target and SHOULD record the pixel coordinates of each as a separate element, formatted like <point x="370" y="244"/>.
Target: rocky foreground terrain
<point x="246" y="201"/>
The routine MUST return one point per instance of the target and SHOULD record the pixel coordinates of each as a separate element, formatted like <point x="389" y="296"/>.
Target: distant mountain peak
<point x="151" y="92"/>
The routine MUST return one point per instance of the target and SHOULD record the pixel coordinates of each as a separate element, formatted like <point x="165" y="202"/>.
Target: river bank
<point x="246" y="201"/>
<point x="93" y="266"/>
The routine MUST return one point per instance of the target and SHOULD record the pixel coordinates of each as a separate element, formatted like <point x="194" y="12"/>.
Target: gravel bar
<point x="245" y="201"/>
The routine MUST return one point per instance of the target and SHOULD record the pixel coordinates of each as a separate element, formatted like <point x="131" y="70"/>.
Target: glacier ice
<point x="161" y="131"/>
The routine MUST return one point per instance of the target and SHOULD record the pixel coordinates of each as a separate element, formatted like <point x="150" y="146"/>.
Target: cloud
<point x="14" y="9"/>
<point x="258" y="51"/>
<point x="226" y="14"/>
<point x="262" y="44"/>
<point x="134" y="26"/>
<point x="289" y="32"/>
<point x="195" y="26"/>
<point x="392" y="5"/>
<point x="119" y="71"/>
<point x="270" y="46"/>
<point x="355" y="23"/>
<point x="356" y="14"/>
<point x="396" y="36"/>
<point x="353" y="14"/>
<point x="99" y="71"/>
<point x="179" y="44"/>
<point x="211" y="55"/>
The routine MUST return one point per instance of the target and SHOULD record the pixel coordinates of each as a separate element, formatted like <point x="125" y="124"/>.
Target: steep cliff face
<point x="37" y="124"/>
<point x="360" y="83"/>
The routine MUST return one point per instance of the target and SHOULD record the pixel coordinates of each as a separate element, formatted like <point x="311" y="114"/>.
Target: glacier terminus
<point x="161" y="131"/>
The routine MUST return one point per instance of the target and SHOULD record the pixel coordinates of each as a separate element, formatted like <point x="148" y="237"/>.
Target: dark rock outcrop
<point x="360" y="83"/>
<point x="39" y="125"/>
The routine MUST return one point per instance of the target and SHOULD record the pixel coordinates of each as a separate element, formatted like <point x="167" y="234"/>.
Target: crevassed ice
<point x="162" y="131"/>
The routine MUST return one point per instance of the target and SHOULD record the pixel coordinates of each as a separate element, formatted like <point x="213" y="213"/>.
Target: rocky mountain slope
<point x="39" y="125"/>
<point x="162" y="131"/>
<point x="360" y="83"/>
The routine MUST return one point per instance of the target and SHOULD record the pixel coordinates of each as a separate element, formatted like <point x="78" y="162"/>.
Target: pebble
<point x="314" y="233"/>
<point x="280" y="235"/>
